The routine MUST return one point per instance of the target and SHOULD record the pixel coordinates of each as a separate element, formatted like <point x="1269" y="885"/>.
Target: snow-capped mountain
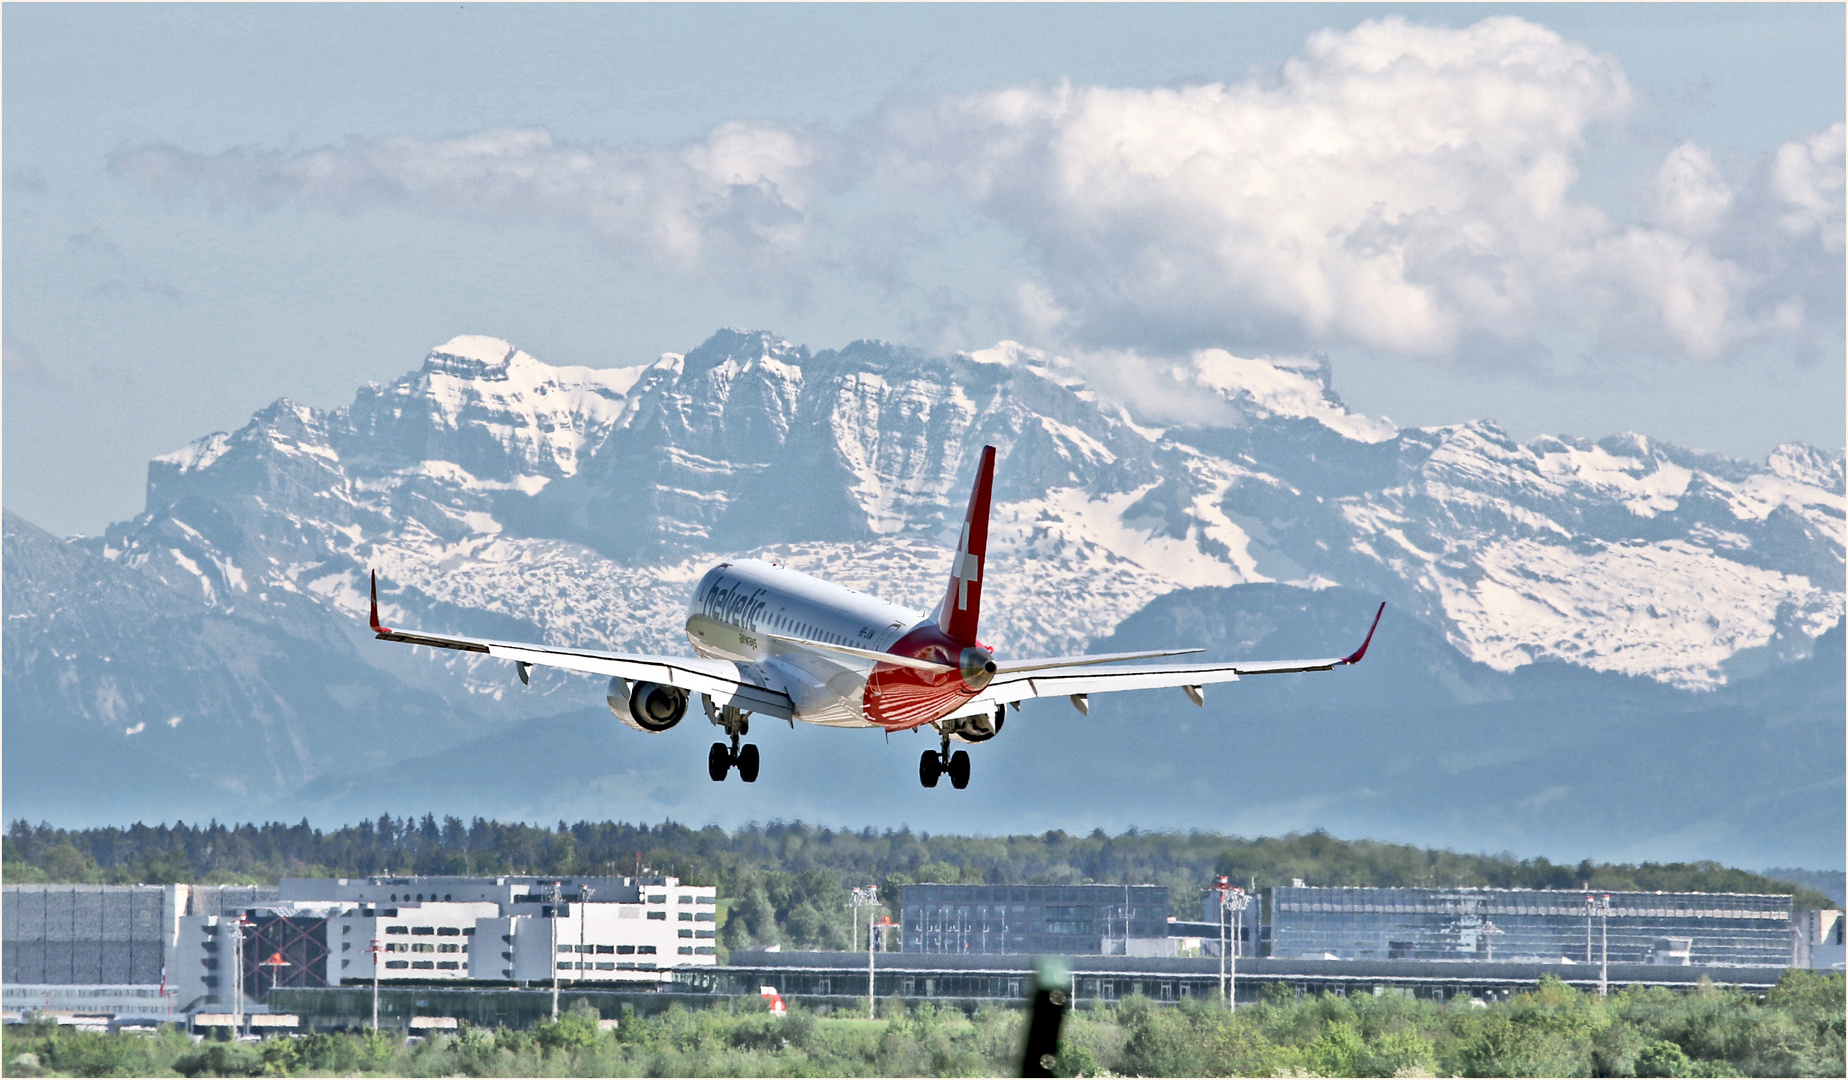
<point x="574" y="499"/>
<point x="497" y="494"/>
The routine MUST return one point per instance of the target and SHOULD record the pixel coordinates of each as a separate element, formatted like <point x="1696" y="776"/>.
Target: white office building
<point x="185" y="949"/>
<point x="516" y="929"/>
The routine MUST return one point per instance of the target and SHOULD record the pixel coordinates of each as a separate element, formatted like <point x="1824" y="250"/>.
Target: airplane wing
<point x="1079" y="681"/>
<point x="746" y="686"/>
<point x="1088" y="660"/>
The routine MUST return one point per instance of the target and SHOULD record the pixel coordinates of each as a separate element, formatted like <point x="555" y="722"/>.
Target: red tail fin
<point x="962" y="604"/>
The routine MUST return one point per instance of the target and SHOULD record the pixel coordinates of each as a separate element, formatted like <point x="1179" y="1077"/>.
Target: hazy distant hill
<point x="1615" y="649"/>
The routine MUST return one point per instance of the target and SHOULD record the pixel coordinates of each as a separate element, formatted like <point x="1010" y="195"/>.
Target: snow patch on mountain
<point x="199" y="454"/>
<point x="1645" y="486"/>
<point x="1280" y="388"/>
<point x="1048" y="366"/>
<point x="1669" y="610"/>
<point x="1809" y="467"/>
<point x="1756" y="497"/>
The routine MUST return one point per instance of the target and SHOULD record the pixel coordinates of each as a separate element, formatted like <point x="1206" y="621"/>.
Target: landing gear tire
<point x="718" y="763"/>
<point x="930" y="766"/>
<point x="747" y="763"/>
<point x="959" y="769"/>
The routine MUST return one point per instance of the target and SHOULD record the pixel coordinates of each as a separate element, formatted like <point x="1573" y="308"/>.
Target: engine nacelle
<point x="977" y="729"/>
<point x="649" y="707"/>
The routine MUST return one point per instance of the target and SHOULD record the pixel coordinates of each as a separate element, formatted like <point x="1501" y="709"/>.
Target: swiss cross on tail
<point x="962" y="604"/>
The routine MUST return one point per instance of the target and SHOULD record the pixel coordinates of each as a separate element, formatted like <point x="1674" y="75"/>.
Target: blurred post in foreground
<point x="1051" y="997"/>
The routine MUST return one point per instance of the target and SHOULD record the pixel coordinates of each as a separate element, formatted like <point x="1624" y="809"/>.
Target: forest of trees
<point x="785" y="883"/>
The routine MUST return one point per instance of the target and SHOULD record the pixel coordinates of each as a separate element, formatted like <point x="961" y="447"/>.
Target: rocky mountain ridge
<point x="1624" y="555"/>
<point x="497" y="494"/>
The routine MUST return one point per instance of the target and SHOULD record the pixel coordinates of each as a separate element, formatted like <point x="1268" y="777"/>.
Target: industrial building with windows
<point x="1531" y="925"/>
<point x="1090" y="920"/>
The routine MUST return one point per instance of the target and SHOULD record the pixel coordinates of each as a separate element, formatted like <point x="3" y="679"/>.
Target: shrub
<point x="1662" y="1058"/>
<point x="221" y="1059"/>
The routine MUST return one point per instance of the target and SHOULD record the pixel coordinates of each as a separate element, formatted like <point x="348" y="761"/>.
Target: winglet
<point x="378" y="628"/>
<point x="1355" y="656"/>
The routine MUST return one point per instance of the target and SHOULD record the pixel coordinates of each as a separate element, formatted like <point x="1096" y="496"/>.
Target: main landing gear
<point x="721" y="759"/>
<point x="935" y="763"/>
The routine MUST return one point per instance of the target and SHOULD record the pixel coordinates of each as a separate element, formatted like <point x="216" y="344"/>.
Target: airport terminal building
<point x="481" y="947"/>
<point x="1074" y="920"/>
<point x="1300" y="922"/>
<point x="1531" y="925"/>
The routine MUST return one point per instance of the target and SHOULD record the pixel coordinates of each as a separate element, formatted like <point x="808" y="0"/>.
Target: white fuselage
<point x="740" y="608"/>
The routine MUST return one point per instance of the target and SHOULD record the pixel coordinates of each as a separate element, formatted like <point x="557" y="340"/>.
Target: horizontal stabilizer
<point x="865" y="654"/>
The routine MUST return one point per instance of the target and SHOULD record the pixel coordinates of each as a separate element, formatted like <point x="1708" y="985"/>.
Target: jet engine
<point x="648" y="707"/>
<point x="976" y="729"/>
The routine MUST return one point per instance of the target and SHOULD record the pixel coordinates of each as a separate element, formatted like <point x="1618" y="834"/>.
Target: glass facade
<point x="1076" y="920"/>
<point x="1533" y="925"/>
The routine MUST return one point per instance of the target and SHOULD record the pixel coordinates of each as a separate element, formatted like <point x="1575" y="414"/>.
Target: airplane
<point x="771" y="641"/>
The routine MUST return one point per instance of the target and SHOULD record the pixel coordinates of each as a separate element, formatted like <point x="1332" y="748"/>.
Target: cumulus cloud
<point x="1807" y="178"/>
<point x="1691" y="195"/>
<point x="743" y="190"/>
<point x="1400" y="187"/>
<point x="1403" y="188"/>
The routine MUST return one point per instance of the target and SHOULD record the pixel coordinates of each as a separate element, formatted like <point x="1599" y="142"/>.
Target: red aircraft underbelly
<point x="899" y="698"/>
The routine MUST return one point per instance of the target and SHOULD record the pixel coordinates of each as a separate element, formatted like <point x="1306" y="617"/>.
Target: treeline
<point x="1552" y="1030"/>
<point x="785" y="883"/>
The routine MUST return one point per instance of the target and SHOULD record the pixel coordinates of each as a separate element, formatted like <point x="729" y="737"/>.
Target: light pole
<point x="376" y="950"/>
<point x="867" y="898"/>
<point x="583" y="916"/>
<point x="238" y="926"/>
<point x="1231" y="915"/>
<point x="556" y="967"/>
<point x="1604" y="943"/>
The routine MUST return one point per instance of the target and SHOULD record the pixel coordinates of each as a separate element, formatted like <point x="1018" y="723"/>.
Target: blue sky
<point x="1567" y="218"/>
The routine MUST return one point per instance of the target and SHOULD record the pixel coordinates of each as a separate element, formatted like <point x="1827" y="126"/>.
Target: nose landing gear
<point x="722" y="758"/>
<point x="935" y="763"/>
